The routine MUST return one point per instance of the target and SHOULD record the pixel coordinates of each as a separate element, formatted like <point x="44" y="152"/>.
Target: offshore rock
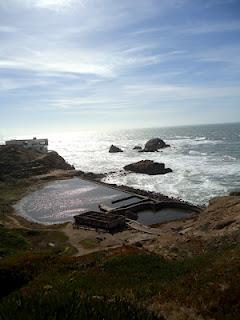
<point x="114" y="149"/>
<point x="148" y="167"/>
<point x="154" y="145"/>
<point x="137" y="148"/>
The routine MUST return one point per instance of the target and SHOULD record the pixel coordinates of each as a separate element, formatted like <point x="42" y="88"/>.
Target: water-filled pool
<point x="59" y="201"/>
<point x="149" y="217"/>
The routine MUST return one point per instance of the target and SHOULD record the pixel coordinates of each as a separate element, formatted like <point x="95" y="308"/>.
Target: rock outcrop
<point x="90" y="175"/>
<point x="137" y="148"/>
<point x="222" y="213"/>
<point x="18" y="162"/>
<point x="234" y="194"/>
<point x="114" y="149"/>
<point x="148" y="167"/>
<point x="154" y="145"/>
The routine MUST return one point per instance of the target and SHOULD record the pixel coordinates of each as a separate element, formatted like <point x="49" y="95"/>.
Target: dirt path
<point x="140" y="227"/>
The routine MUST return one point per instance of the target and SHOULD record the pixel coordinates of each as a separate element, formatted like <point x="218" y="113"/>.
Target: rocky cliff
<point x="18" y="162"/>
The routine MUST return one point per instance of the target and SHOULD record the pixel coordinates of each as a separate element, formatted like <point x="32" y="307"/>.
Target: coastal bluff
<point x="18" y="162"/>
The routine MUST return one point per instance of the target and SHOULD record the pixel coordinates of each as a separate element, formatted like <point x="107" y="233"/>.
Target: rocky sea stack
<point x="148" y="167"/>
<point x="114" y="149"/>
<point x="154" y="145"/>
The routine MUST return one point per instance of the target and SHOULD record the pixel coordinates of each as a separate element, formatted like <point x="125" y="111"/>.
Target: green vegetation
<point x="11" y="241"/>
<point x="20" y="241"/>
<point x="13" y="189"/>
<point x="74" y="306"/>
<point x="121" y="282"/>
<point x="88" y="243"/>
<point x="10" y="192"/>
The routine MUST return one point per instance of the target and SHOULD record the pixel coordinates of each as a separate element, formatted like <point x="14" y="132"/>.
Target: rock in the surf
<point x="154" y="145"/>
<point x="137" y="148"/>
<point x="148" y="167"/>
<point x="114" y="149"/>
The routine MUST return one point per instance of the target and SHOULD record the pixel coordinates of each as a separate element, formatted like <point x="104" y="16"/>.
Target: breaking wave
<point x="205" y="159"/>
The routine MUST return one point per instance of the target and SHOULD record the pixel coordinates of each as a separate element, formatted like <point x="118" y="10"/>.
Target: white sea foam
<point x="200" y="138"/>
<point x="204" y="165"/>
<point x="197" y="175"/>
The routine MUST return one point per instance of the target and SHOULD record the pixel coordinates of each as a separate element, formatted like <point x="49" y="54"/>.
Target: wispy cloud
<point x="99" y="56"/>
<point x="193" y="28"/>
<point x="57" y="61"/>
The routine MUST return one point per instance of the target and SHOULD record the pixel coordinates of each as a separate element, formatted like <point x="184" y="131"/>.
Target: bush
<point x="11" y="241"/>
<point x="71" y="306"/>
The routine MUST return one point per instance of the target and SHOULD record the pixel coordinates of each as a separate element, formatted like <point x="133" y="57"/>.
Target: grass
<point x="73" y="306"/>
<point x="11" y="241"/>
<point x="13" y="189"/>
<point x="10" y="192"/>
<point x="88" y="243"/>
<point x="14" y="241"/>
<point x="203" y="283"/>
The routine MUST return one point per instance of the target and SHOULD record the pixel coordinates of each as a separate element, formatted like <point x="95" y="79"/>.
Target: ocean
<point x="205" y="159"/>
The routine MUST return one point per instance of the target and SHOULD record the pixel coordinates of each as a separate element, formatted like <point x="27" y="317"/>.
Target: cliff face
<point x="221" y="216"/>
<point x="18" y="162"/>
<point x="214" y="228"/>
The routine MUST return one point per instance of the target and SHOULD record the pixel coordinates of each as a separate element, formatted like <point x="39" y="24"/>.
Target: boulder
<point x="137" y="148"/>
<point x="90" y="175"/>
<point x="154" y="145"/>
<point x="148" y="167"/>
<point x="114" y="149"/>
<point x="234" y="193"/>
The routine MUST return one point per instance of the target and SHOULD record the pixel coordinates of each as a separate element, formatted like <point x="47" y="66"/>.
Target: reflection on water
<point x="59" y="201"/>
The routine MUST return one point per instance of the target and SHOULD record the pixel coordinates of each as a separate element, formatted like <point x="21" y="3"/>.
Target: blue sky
<point x="89" y="64"/>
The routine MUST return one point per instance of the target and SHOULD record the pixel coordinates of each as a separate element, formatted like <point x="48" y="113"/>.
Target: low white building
<point x="38" y="144"/>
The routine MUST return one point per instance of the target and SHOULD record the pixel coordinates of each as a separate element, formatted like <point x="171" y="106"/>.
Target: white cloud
<point x="61" y="61"/>
<point x="55" y="5"/>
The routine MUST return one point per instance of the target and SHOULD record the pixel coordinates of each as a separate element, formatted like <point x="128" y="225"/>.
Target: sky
<point x="68" y="65"/>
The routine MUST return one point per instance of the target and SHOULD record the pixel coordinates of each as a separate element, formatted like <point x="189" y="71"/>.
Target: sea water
<point x="205" y="159"/>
